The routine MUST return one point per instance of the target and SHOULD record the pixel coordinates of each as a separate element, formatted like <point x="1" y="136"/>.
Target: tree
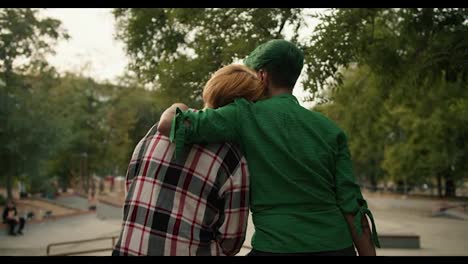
<point x="129" y="115"/>
<point x="394" y="43"/>
<point x="82" y="106"/>
<point x="434" y="125"/>
<point x="357" y="106"/>
<point x="22" y="36"/>
<point x="418" y="61"/>
<point x="100" y="125"/>
<point x="176" y="50"/>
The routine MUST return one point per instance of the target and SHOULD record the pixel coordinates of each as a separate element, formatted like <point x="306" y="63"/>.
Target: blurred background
<point x="80" y="87"/>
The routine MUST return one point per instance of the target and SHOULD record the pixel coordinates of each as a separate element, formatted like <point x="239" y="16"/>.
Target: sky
<point x="93" y="50"/>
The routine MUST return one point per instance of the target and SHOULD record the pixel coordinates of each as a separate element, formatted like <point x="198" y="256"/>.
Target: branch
<point x="278" y="35"/>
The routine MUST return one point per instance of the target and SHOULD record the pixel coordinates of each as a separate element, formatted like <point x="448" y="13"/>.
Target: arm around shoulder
<point x="164" y="126"/>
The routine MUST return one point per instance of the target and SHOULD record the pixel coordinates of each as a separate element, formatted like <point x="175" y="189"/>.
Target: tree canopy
<point x="394" y="79"/>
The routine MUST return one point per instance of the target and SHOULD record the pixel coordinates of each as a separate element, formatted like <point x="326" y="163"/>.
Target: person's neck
<point x="279" y="91"/>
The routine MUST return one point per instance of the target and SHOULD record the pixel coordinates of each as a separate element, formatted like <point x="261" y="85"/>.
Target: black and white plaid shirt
<point x="195" y="205"/>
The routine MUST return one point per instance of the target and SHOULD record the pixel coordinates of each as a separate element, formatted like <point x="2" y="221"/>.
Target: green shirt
<point x="301" y="176"/>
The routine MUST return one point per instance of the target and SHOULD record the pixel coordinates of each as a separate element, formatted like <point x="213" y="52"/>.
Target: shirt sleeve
<point x="232" y="231"/>
<point x="131" y="193"/>
<point x="136" y="160"/>
<point x="205" y="126"/>
<point x="348" y="191"/>
<point x="138" y="155"/>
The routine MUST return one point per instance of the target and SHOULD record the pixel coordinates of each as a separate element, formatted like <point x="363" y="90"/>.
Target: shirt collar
<point x="287" y="95"/>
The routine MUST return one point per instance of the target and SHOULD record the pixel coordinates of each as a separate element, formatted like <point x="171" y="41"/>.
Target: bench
<point x="404" y="240"/>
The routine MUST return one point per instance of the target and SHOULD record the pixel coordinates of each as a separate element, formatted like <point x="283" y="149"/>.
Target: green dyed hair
<point x="281" y="58"/>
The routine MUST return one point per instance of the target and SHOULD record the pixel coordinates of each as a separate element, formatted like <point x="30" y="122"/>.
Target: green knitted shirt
<point x="301" y="176"/>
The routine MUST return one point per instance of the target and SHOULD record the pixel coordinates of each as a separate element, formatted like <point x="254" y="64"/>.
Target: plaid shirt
<point x="193" y="205"/>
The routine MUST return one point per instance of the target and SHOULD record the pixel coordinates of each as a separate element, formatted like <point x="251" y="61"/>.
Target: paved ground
<point x="76" y="202"/>
<point x="37" y="236"/>
<point x="105" y="222"/>
<point x="439" y="235"/>
<point x="104" y="211"/>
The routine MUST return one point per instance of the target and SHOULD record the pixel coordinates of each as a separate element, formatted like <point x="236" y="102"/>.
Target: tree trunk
<point x="373" y="182"/>
<point x="449" y="187"/>
<point x="64" y="183"/>
<point x="405" y="187"/>
<point x="439" y="185"/>
<point x="88" y="178"/>
<point x="372" y="176"/>
<point x="86" y="184"/>
<point x="84" y="180"/>
<point x="9" y="187"/>
<point x="9" y="177"/>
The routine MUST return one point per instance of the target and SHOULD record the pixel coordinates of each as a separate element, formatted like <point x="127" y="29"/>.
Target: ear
<point x="263" y="76"/>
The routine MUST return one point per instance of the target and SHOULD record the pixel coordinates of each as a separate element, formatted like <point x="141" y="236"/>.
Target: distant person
<point x="304" y="197"/>
<point x="11" y="218"/>
<point x="190" y="201"/>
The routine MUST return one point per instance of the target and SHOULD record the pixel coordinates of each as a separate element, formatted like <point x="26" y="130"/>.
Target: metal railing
<point x="447" y="207"/>
<point x="113" y="238"/>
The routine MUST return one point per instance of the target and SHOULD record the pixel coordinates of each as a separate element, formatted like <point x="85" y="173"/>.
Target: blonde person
<point x="195" y="203"/>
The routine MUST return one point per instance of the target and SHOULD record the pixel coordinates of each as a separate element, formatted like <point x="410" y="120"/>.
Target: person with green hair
<point x="304" y="197"/>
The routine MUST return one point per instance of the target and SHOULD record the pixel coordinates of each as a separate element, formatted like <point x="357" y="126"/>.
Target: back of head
<point x="281" y="58"/>
<point x="231" y="82"/>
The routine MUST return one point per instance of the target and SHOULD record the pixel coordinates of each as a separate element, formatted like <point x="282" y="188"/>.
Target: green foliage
<point x="357" y="106"/>
<point x="394" y="43"/>
<point x="176" y="49"/>
<point x="101" y="124"/>
<point x="24" y="35"/>
<point x="395" y="80"/>
<point x="59" y="127"/>
<point x="435" y="127"/>
<point x="25" y="132"/>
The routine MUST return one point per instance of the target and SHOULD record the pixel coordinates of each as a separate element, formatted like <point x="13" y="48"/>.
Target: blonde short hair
<point x="231" y="82"/>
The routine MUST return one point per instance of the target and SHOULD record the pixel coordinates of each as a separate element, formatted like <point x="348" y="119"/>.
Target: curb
<point x="56" y="203"/>
<point x="100" y="200"/>
<point x="110" y="203"/>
